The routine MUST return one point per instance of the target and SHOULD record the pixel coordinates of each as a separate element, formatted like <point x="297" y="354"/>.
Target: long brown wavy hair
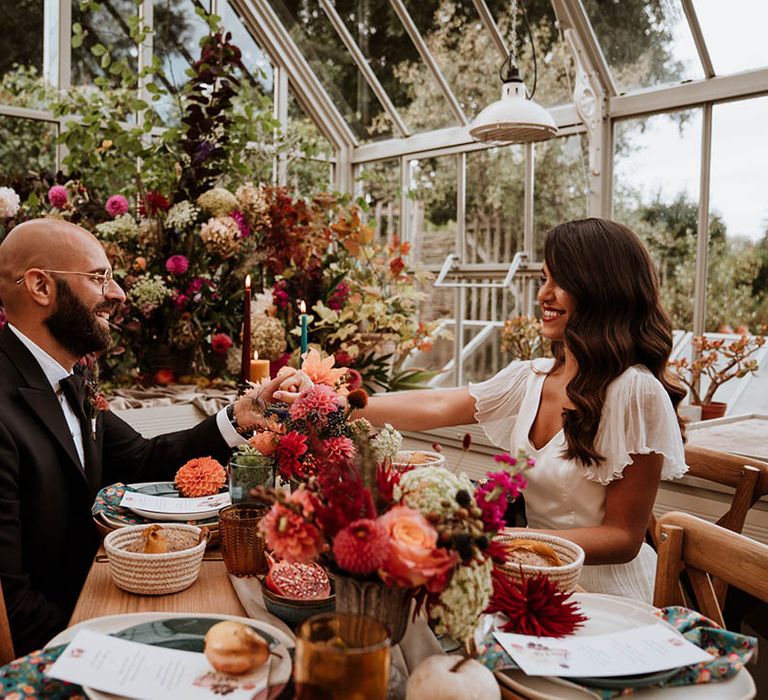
<point x="618" y="321"/>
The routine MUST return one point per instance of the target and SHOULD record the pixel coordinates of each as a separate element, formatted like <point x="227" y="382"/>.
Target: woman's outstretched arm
<point x="420" y="409"/>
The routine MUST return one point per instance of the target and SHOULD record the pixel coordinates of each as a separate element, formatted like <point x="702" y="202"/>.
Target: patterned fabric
<point x="108" y="502"/>
<point x="730" y="652"/>
<point x="24" y="679"/>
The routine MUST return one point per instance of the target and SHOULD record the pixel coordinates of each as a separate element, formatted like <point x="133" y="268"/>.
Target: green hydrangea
<point x="122" y="228"/>
<point x="148" y="293"/>
<point x="181" y="215"/>
<point x="387" y="443"/>
<point x="218" y="201"/>
<point x="458" y="610"/>
<point x="432" y="490"/>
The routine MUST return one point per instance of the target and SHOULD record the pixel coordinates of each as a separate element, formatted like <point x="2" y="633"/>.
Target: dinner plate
<point x="611" y="614"/>
<point x="167" y="489"/>
<point x="184" y="631"/>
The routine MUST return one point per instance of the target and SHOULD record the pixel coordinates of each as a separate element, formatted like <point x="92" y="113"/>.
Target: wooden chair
<point x="6" y="642"/>
<point x="748" y="477"/>
<point x="706" y="550"/>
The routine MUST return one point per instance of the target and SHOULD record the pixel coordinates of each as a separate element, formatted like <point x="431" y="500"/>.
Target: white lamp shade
<point x="513" y="119"/>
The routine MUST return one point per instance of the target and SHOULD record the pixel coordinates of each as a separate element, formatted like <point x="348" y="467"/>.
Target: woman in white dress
<point x="599" y="419"/>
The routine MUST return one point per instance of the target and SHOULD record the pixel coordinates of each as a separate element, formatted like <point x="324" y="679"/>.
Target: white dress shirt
<point x="54" y="373"/>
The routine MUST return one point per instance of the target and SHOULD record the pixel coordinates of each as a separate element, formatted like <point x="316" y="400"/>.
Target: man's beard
<point x="76" y="327"/>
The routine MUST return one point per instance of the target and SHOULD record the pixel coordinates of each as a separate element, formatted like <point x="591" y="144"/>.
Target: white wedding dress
<point x="637" y="418"/>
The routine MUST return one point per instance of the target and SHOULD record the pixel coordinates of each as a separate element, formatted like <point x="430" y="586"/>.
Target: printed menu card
<point x="655" y="647"/>
<point x="162" y="504"/>
<point x="136" y="670"/>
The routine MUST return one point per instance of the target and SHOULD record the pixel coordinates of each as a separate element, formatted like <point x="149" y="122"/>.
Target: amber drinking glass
<point x="341" y="656"/>
<point x="242" y="548"/>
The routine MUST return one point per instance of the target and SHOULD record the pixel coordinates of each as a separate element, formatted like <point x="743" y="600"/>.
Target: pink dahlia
<point x="319" y="401"/>
<point x="290" y="536"/>
<point x="291" y="446"/>
<point x="117" y="205"/>
<point x="339" y="449"/>
<point x="239" y="217"/>
<point x="220" y="343"/>
<point x="361" y="547"/>
<point x="177" y="265"/>
<point x="58" y="196"/>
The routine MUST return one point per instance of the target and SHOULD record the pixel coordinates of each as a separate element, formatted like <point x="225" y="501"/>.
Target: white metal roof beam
<point x="698" y="38"/>
<point x="572" y="14"/>
<point x="490" y="26"/>
<point x="315" y="100"/>
<point x="718" y="89"/>
<point x="429" y="59"/>
<point x="362" y="63"/>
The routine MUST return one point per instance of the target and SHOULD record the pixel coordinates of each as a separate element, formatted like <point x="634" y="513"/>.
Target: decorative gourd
<point x="442" y="677"/>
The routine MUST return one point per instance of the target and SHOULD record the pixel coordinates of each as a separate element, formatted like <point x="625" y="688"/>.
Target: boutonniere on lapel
<point x="96" y="402"/>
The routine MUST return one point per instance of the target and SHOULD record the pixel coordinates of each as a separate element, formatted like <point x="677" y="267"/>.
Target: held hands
<point x="286" y="387"/>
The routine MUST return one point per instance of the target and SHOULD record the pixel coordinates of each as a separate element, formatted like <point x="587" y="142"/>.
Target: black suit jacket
<point x="47" y="536"/>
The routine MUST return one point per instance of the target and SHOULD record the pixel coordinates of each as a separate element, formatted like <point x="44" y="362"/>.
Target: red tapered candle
<point x="245" y="363"/>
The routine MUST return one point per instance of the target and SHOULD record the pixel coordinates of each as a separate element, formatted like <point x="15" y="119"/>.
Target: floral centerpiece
<point x="424" y="531"/>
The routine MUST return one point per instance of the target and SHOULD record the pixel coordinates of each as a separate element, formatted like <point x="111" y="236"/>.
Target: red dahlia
<point x="361" y="547"/>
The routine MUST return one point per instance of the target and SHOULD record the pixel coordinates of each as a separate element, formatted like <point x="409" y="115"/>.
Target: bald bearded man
<point x="58" y="292"/>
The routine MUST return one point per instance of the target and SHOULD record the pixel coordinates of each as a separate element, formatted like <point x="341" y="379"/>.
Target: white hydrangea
<point x="181" y="215"/>
<point x="221" y="235"/>
<point x="9" y="202"/>
<point x="464" y="599"/>
<point x="148" y="292"/>
<point x="122" y="228"/>
<point x="432" y="490"/>
<point x="387" y="443"/>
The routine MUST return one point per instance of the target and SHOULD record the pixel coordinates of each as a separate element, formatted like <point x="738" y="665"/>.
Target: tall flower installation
<point x="426" y="530"/>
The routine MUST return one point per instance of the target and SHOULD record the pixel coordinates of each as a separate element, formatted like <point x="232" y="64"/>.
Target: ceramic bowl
<point x="292" y="611"/>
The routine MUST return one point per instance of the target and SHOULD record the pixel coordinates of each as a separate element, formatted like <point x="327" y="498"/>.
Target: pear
<point x="155" y="541"/>
<point x="234" y="648"/>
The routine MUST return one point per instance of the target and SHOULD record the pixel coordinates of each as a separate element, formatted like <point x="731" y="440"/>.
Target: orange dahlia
<point x="203" y="476"/>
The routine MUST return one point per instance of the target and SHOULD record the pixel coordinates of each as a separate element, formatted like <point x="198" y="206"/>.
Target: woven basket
<point x="565" y="577"/>
<point x="155" y="574"/>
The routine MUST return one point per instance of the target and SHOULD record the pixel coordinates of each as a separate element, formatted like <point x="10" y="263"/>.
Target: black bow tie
<point x="72" y="388"/>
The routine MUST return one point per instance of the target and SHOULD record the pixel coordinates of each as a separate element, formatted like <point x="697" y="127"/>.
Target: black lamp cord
<point x="512" y="72"/>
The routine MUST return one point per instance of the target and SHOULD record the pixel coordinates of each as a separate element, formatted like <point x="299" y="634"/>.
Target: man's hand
<point x="292" y="384"/>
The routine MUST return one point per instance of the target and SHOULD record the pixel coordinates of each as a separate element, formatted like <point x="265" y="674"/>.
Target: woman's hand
<point x="292" y="383"/>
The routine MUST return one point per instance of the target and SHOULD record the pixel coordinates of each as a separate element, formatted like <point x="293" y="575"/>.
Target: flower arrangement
<point x="521" y="337"/>
<point x="717" y="360"/>
<point x="426" y="530"/>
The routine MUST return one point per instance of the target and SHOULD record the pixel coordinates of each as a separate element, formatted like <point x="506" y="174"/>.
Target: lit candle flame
<point x="247" y="281"/>
<point x="302" y="307"/>
<point x="255" y="354"/>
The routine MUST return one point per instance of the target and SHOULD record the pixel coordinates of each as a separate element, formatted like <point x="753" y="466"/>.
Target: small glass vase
<point x="244" y="477"/>
<point x="391" y="605"/>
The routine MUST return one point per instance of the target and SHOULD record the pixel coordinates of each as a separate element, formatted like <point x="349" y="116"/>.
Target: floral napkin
<point x="25" y="679"/>
<point x="730" y="650"/>
<point x="108" y="502"/>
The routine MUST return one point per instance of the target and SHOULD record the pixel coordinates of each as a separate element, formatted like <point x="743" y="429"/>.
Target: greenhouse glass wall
<point x="660" y="106"/>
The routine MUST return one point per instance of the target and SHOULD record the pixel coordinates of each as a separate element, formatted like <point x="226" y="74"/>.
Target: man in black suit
<point x="56" y="451"/>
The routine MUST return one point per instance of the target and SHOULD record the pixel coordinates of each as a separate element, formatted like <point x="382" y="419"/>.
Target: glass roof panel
<point x="260" y="72"/>
<point x="106" y="25"/>
<point x="16" y="55"/>
<point x="646" y="42"/>
<point x="734" y="33"/>
<point x="334" y="67"/>
<point x="554" y="71"/>
<point x="305" y="174"/>
<point x="397" y="64"/>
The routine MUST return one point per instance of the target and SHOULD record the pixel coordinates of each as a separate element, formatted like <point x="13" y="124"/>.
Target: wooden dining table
<point x="211" y="593"/>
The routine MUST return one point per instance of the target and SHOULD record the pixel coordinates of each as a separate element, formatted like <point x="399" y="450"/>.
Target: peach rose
<point x="264" y="442"/>
<point x="414" y="557"/>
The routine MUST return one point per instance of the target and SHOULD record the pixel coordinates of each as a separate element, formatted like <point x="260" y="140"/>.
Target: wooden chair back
<point x="748" y="477"/>
<point x="706" y="550"/>
<point x="6" y="642"/>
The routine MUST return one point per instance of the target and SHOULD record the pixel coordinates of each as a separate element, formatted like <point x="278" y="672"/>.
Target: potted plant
<point x="521" y="338"/>
<point x="719" y="361"/>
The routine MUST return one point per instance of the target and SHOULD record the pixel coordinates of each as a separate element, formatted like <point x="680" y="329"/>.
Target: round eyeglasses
<point x="103" y="277"/>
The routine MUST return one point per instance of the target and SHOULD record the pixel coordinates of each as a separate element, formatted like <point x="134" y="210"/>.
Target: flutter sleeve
<point x="638" y="418"/>
<point x="498" y="400"/>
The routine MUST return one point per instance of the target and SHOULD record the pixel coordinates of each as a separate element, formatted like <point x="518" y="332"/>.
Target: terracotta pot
<point x="391" y="605"/>
<point x="716" y="409"/>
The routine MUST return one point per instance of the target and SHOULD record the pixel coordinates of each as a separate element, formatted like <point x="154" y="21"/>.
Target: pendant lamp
<point x="515" y="118"/>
